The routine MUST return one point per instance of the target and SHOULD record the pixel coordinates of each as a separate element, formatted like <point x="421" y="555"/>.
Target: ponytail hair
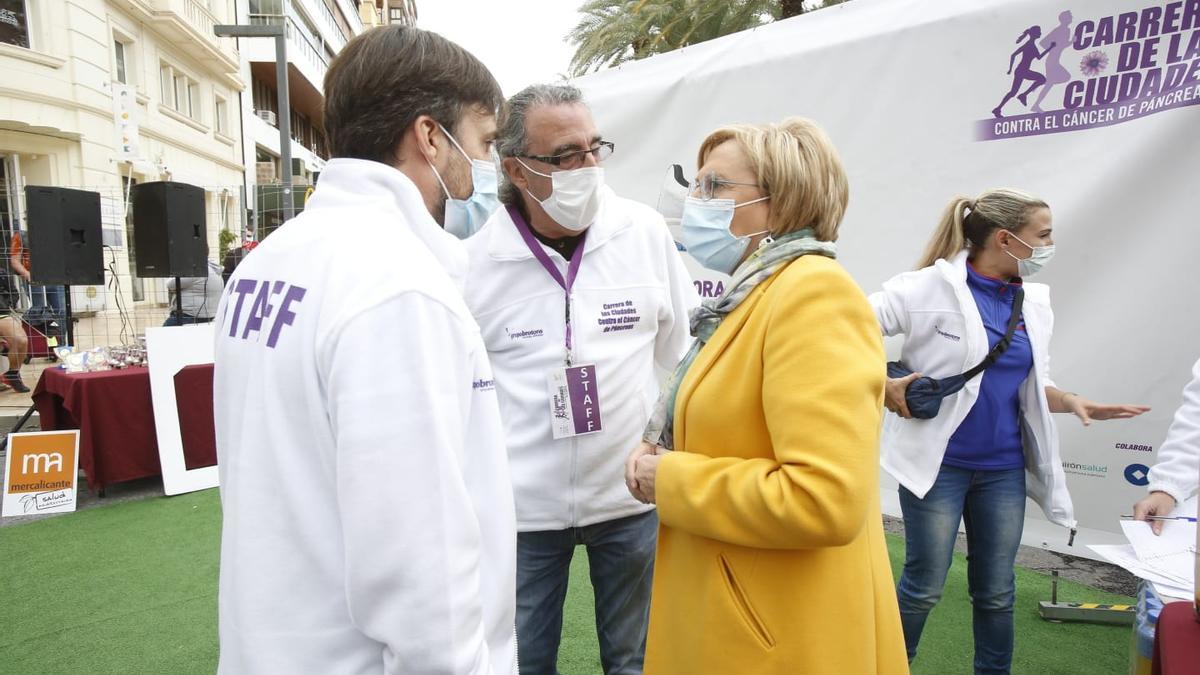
<point x="967" y="223"/>
<point x="1026" y="33"/>
<point x="949" y="237"/>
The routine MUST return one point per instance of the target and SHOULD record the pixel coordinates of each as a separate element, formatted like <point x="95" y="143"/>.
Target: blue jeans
<point x="621" y="557"/>
<point x="46" y="303"/>
<point x="992" y="505"/>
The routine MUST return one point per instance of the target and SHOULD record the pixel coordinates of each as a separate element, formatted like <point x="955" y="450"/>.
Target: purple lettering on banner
<point x="286" y="316"/>
<point x="244" y="288"/>
<point x="585" y="398"/>
<point x="1101" y="70"/>
<point x="1058" y="121"/>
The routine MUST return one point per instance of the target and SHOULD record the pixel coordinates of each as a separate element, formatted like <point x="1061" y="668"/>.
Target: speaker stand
<point x="70" y="321"/>
<point x="178" y="301"/>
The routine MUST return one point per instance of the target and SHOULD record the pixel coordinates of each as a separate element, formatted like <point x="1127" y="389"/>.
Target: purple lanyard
<point x="535" y="247"/>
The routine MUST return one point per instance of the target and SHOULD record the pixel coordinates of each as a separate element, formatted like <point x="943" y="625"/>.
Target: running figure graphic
<point x="1028" y="53"/>
<point x="1056" y="42"/>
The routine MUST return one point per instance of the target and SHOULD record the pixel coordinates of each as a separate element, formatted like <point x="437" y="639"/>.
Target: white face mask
<point x="574" y="197"/>
<point x="1027" y="267"/>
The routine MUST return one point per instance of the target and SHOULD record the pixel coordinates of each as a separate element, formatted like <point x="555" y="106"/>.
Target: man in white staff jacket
<point x="629" y="298"/>
<point x="368" y="513"/>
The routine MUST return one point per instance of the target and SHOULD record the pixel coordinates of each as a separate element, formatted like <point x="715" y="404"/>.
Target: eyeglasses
<point x="575" y="159"/>
<point x="706" y="186"/>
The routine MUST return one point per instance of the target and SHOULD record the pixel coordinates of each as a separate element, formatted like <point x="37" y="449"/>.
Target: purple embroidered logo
<point x="619" y="316"/>
<point x="1090" y="72"/>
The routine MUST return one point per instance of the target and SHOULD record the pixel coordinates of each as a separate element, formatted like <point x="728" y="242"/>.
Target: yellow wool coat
<point x="771" y="555"/>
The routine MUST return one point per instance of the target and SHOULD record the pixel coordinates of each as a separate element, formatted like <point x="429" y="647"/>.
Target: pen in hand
<point x="1186" y="519"/>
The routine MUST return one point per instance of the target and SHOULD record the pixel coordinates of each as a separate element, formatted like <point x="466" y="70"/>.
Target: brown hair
<point x="798" y="167"/>
<point x="386" y="78"/>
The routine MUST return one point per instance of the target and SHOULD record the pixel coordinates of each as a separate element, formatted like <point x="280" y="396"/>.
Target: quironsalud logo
<point x="1099" y="71"/>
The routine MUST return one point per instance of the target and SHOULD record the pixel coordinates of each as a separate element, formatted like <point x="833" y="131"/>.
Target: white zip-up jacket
<point x="630" y="262"/>
<point x="368" y="514"/>
<point x="944" y="335"/>
<point x="1177" y="471"/>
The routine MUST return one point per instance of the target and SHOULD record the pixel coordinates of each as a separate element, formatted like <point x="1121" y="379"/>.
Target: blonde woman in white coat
<point x="993" y="442"/>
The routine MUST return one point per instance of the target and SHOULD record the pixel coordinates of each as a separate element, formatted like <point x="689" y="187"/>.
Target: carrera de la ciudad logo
<point x="1078" y="70"/>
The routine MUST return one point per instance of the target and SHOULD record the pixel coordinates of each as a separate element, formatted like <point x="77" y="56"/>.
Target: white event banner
<point x="1091" y="105"/>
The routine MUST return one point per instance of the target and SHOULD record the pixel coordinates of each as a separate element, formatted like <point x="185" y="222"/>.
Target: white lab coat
<point x="368" y="514"/>
<point x="630" y="262"/>
<point x="1178" y="469"/>
<point x="932" y="307"/>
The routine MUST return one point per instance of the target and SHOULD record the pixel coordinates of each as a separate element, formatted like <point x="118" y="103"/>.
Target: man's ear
<point x="424" y="134"/>
<point x="514" y="171"/>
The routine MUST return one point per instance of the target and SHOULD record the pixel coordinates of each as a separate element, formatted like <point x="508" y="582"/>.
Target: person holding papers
<point x="972" y="443"/>
<point x="1174" y="478"/>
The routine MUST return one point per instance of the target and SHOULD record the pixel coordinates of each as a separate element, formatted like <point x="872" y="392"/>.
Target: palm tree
<point x="612" y="32"/>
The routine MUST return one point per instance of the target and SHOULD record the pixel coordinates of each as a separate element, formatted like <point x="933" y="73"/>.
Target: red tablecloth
<point x="1177" y="641"/>
<point x="115" y="417"/>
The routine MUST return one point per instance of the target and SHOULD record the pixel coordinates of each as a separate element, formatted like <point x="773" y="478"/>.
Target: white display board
<point x="907" y="89"/>
<point x="169" y="351"/>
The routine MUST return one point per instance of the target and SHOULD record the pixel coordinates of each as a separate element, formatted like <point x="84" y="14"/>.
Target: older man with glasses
<point x="579" y="294"/>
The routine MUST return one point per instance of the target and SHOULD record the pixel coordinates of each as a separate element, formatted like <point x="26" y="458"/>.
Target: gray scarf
<point x="760" y="266"/>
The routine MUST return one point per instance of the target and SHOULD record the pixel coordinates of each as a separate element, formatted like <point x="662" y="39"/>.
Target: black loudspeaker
<point x="169" y="234"/>
<point x="65" y="245"/>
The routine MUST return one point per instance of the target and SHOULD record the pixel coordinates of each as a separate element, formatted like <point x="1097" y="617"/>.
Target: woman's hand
<point x="893" y="394"/>
<point x="1087" y="411"/>
<point x="1156" y="504"/>
<point x="645" y="470"/>
<point x="643" y="449"/>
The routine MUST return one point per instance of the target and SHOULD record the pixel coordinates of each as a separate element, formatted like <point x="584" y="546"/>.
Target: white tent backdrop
<point x="906" y="89"/>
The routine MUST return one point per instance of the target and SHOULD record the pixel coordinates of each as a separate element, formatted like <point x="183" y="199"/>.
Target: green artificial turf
<point x="131" y="588"/>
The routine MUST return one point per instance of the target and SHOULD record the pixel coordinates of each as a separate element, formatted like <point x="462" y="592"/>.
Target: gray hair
<point x="511" y="137"/>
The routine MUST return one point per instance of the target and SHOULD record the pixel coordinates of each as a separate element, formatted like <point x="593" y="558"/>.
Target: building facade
<point x="398" y="11"/>
<point x="105" y="94"/>
<point x="316" y="31"/>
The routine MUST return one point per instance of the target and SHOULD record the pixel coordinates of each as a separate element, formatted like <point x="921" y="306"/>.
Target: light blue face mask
<point x="464" y="217"/>
<point x="706" y="233"/>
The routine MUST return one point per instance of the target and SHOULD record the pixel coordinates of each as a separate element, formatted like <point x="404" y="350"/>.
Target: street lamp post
<point x="279" y="32"/>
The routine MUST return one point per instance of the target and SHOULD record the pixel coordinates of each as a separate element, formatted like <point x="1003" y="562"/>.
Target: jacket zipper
<point x="574" y="439"/>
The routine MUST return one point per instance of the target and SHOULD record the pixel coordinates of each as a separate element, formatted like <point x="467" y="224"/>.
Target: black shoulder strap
<point x="1002" y="345"/>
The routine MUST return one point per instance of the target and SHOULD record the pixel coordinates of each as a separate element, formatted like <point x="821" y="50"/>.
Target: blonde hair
<point x="798" y="167"/>
<point x="969" y="222"/>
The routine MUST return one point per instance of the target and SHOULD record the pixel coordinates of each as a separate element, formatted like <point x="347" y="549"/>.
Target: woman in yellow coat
<point x="771" y="554"/>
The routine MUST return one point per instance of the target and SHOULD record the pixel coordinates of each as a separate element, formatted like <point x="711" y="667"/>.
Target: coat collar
<point x="505" y="242"/>
<point x="358" y="183"/>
